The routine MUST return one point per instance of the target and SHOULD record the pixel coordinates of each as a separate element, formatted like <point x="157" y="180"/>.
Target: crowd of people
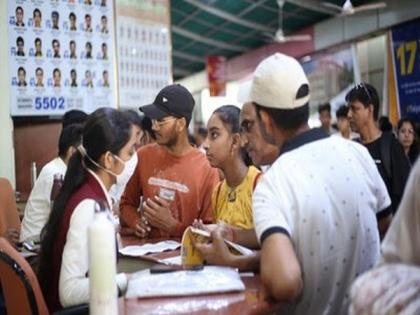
<point x="313" y="203"/>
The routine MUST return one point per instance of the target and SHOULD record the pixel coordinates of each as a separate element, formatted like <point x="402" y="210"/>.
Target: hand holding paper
<point x="216" y="252"/>
<point x="196" y="243"/>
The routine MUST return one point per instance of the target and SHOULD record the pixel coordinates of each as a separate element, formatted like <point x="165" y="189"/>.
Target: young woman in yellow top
<point x="232" y="198"/>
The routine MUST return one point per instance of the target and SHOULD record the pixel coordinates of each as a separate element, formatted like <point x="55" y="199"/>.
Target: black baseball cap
<point x="172" y="100"/>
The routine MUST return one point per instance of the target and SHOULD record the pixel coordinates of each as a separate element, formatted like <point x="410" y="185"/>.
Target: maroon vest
<point x="90" y="189"/>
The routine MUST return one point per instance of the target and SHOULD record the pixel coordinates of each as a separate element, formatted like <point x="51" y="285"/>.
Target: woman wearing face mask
<point x="232" y="198"/>
<point x="407" y="138"/>
<point x="107" y="146"/>
<point x="117" y="189"/>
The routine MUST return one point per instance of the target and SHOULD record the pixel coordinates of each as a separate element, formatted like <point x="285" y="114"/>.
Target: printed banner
<point x="144" y="50"/>
<point x="216" y="74"/>
<point x="406" y="59"/>
<point x="61" y="56"/>
<point x="330" y="75"/>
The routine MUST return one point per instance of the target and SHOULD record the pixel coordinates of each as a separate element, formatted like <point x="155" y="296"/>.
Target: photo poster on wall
<point x="61" y="56"/>
<point x="144" y="50"/>
<point x="406" y="59"/>
<point x="330" y="75"/>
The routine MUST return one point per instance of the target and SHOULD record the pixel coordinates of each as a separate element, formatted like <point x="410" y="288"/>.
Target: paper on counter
<point x="172" y="260"/>
<point x="211" y="279"/>
<point x="140" y="250"/>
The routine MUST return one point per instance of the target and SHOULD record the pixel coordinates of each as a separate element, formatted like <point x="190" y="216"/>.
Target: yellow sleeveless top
<point x="234" y="207"/>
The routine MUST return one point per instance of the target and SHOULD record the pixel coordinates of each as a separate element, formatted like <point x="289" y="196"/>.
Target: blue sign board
<point x="406" y="57"/>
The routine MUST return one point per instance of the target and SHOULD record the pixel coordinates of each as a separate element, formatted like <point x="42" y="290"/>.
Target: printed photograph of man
<point x="73" y="20"/>
<point x="20" y="44"/>
<point x="72" y="46"/>
<point x="88" y="23"/>
<point x="103" y="3"/>
<point x="88" y="79"/>
<point x="56" y="77"/>
<point x="37" y="17"/>
<point x="105" y="78"/>
<point x="19" y="17"/>
<point x="56" y="48"/>
<point x="39" y="77"/>
<point x="104" y="49"/>
<point x="104" y="24"/>
<point x="88" y="50"/>
<point x="73" y="77"/>
<point x="38" y="47"/>
<point x="55" y="17"/>
<point x="21" y="76"/>
<point x="88" y="2"/>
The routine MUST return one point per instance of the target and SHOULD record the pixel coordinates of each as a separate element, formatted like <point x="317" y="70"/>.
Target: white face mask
<point x="128" y="170"/>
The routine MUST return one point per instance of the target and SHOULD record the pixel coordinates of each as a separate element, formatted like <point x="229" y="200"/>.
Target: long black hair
<point x="229" y="115"/>
<point x="106" y="129"/>
<point x="413" y="152"/>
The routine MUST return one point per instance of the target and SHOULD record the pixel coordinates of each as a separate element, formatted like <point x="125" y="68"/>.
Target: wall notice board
<point x="61" y="55"/>
<point x="144" y="50"/>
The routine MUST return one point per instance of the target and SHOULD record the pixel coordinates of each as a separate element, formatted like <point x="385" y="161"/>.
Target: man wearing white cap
<point x="315" y="208"/>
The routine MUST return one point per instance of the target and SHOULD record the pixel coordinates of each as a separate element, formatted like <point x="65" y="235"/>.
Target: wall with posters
<point x="330" y="75"/>
<point x="61" y="56"/>
<point x="7" y="166"/>
<point x="144" y="50"/>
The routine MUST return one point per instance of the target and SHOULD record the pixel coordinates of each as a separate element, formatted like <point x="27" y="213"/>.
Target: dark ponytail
<point x="229" y="115"/>
<point x="106" y="129"/>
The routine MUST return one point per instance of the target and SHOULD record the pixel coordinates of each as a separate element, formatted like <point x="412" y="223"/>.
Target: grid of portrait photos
<point x="144" y="60"/>
<point x="62" y="55"/>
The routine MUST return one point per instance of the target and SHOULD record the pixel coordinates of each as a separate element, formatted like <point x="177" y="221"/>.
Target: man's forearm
<point x="246" y="238"/>
<point x="247" y="263"/>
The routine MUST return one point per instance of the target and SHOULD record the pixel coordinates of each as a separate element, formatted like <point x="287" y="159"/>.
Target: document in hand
<point x="192" y="257"/>
<point x="210" y="279"/>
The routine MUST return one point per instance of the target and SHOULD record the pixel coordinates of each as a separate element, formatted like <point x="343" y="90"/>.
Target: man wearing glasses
<point x="383" y="146"/>
<point x="173" y="182"/>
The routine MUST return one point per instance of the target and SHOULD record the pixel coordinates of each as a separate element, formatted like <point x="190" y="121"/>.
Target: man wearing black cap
<point x="173" y="182"/>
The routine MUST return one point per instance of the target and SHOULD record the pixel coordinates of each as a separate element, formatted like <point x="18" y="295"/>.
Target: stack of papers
<point x="141" y="250"/>
<point x="211" y="279"/>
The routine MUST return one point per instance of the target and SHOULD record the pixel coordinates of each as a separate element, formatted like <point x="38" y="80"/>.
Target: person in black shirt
<point x="20" y="44"/>
<point x="56" y="48"/>
<point x="19" y="17"/>
<point x="55" y="17"/>
<point x="384" y="148"/>
<point x="73" y="76"/>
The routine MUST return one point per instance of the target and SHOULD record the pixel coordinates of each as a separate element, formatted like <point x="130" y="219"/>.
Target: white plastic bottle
<point x="103" y="299"/>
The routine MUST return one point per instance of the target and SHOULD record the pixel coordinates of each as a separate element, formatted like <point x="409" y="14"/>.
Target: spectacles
<point x="158" y="123"/>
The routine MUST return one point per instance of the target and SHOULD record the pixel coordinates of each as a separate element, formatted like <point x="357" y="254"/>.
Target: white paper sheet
<point x="140" y="250"/>
<point x="211" y="279"/>
<point x="172" y="260"/>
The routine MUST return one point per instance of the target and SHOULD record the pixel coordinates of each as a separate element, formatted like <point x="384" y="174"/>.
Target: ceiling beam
<point x="209" y="25"/>
<point x="208" y="41"/>
<point x="179" y="72"/>
<point x="230" y="17"/>
<point x="313" y="5"/>
<point x="186" y="56"/>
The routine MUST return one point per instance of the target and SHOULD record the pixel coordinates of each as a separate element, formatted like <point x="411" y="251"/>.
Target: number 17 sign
<point x="406" y="57"/>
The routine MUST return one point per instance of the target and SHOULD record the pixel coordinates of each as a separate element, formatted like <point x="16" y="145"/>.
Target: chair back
<point x="9" y="215"/>
<point x="21" y="290"/>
